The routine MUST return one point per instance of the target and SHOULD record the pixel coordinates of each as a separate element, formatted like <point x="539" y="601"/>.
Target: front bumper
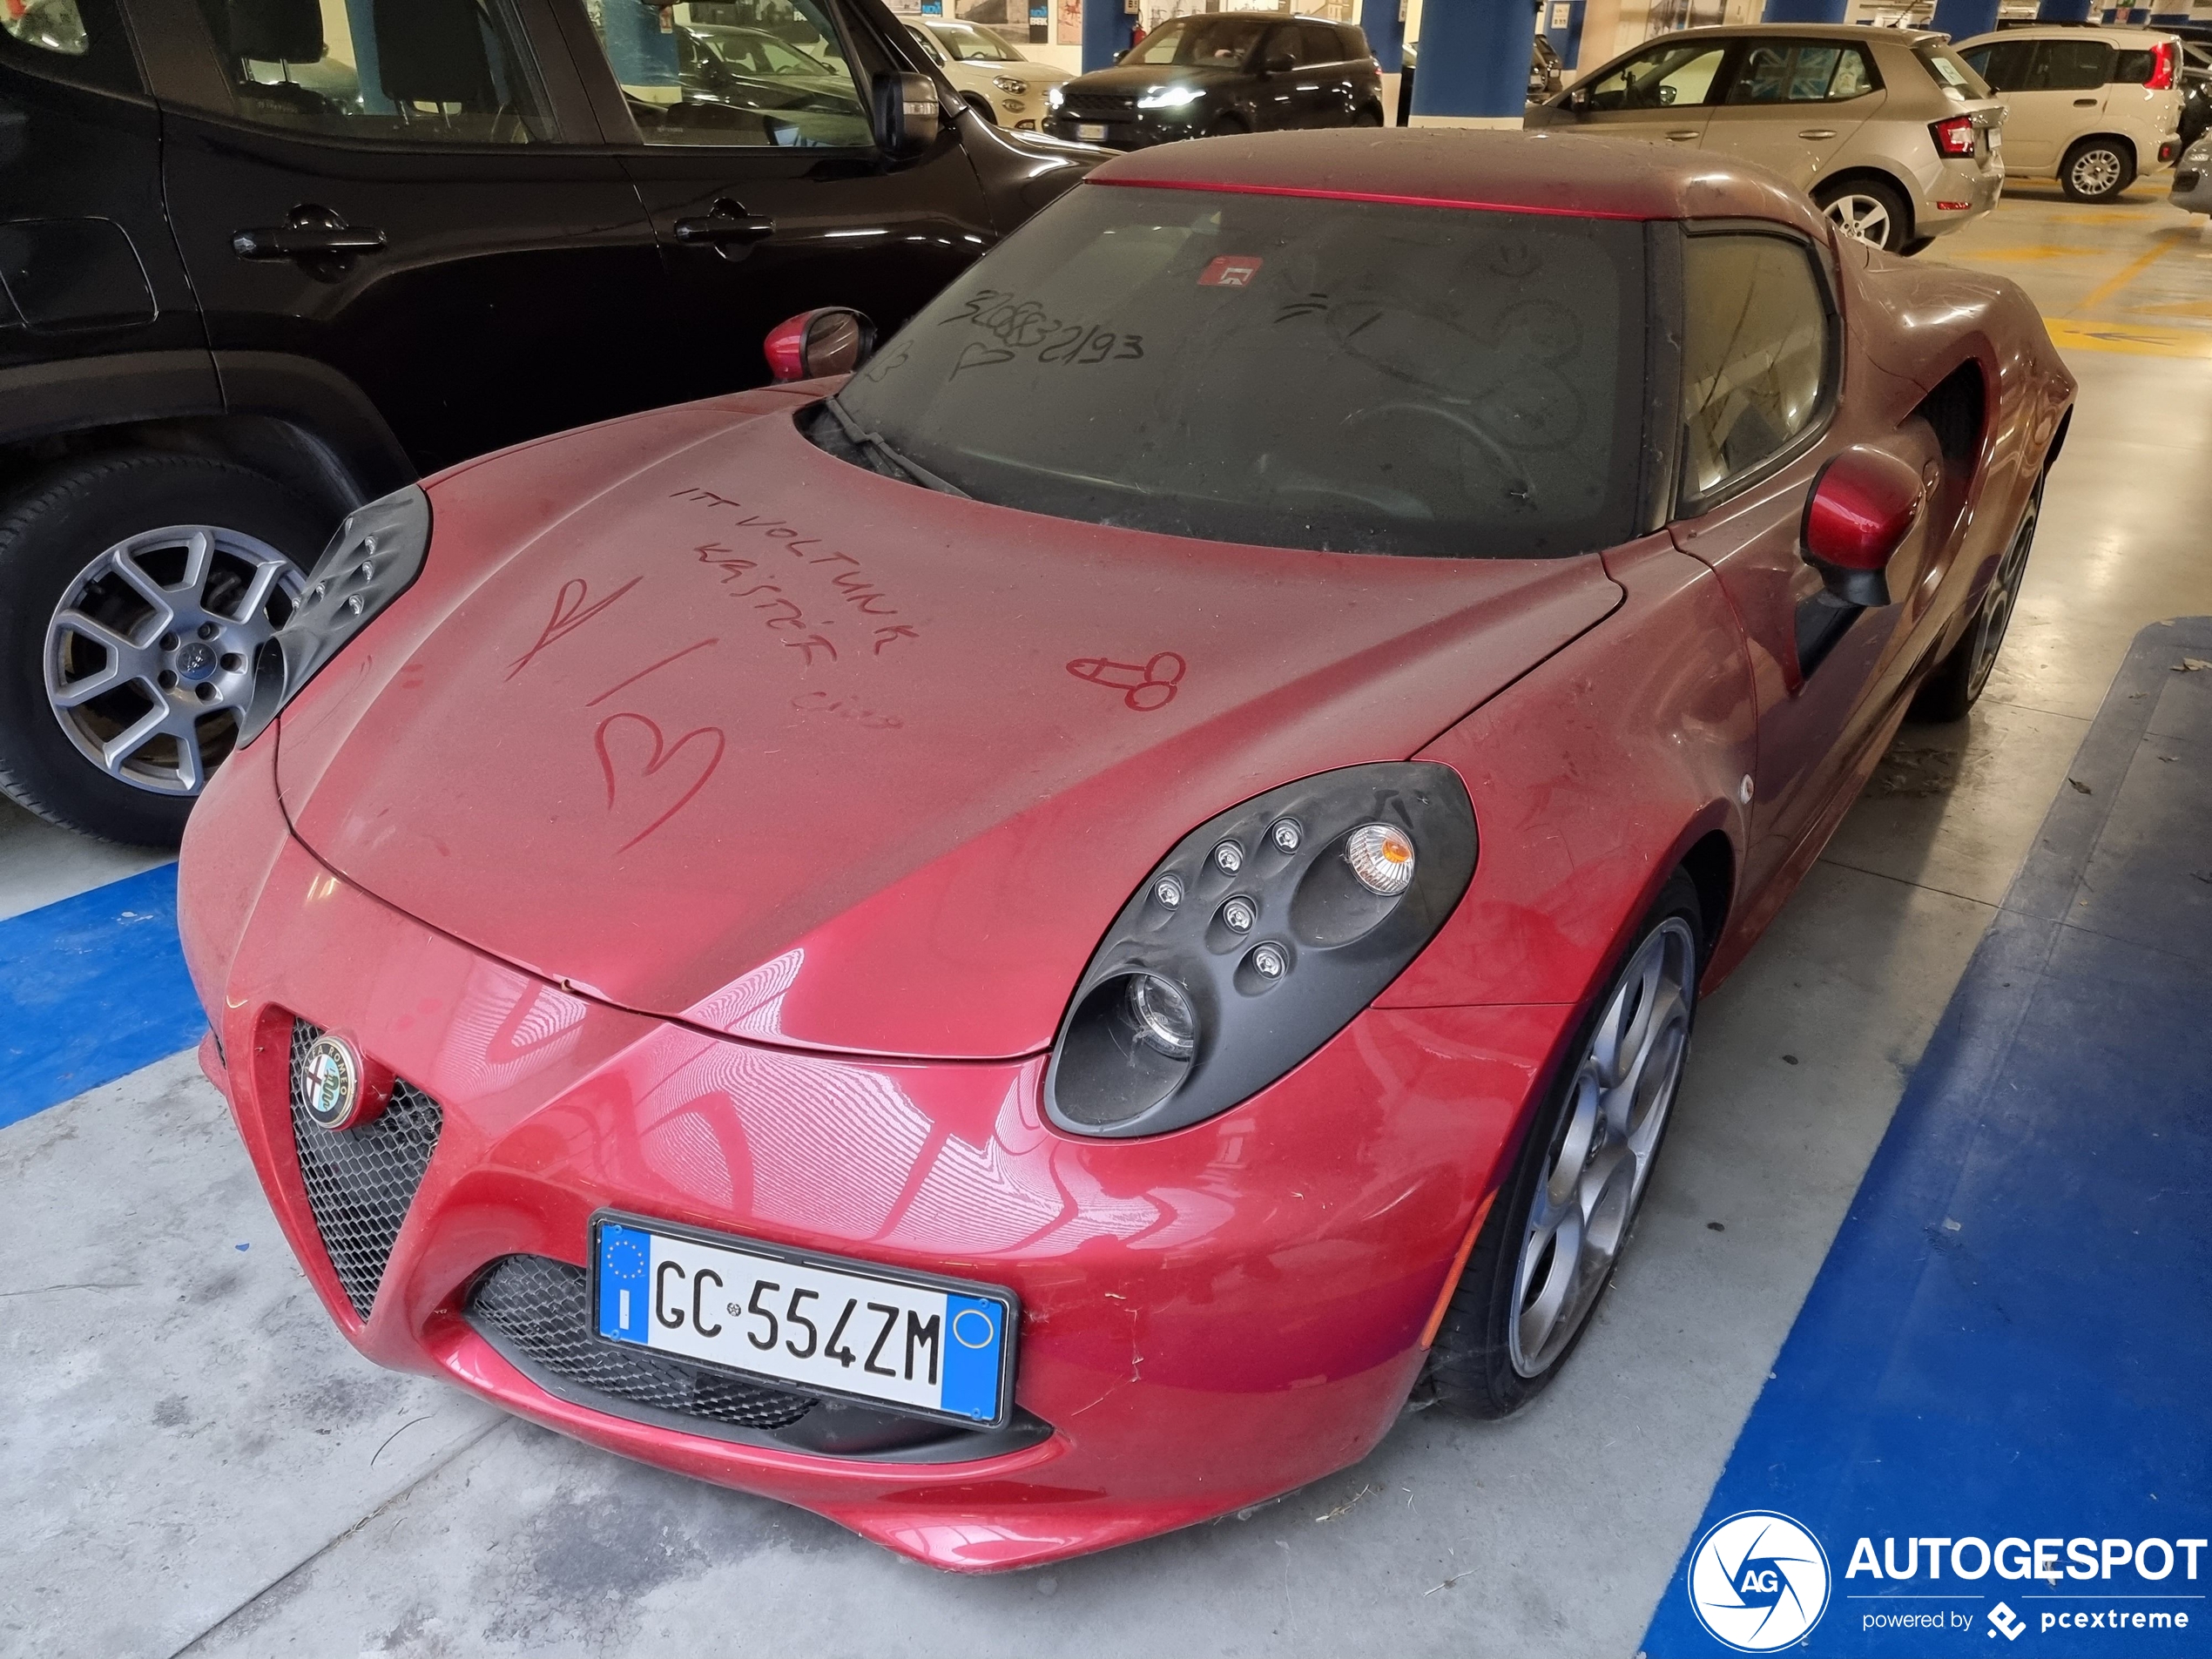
<point x="1210" y="1317"/>
<point x="2192" y="189"/>
<point x="1127" y="131"/>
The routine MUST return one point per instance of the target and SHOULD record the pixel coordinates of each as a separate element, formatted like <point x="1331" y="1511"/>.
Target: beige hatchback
<point x="1893" y="136"/>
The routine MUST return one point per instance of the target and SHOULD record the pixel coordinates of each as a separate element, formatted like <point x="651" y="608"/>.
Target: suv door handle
<point x="2085" y="103"/>
<point x="1818" y="132"/>
<point x="310" y="233"/>
<point x="1687" y="134"/>
<point x="728" y="226"/>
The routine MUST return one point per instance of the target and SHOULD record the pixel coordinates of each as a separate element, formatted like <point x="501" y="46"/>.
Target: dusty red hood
<point x="709" y="723"/>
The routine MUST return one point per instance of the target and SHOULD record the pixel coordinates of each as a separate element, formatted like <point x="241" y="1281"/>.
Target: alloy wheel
<point x="1594" y="1178"/>
<point x="1998" y="604"/>
<point x="1863" y="216"/>
<point x="149" y="658"/>
<point x="2095" y="173"/>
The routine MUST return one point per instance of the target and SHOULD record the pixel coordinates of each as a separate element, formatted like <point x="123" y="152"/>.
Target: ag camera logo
<point x="1758" y="1582"/>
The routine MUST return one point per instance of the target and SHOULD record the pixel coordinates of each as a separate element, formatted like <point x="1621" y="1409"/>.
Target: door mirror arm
<point x="1863" y="505"/>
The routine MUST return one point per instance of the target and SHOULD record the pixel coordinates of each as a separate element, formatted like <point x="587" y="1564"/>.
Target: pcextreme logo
<point x="1758" y="1582"/>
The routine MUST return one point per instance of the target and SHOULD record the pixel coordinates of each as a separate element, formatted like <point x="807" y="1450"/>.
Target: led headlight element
<point x="1272" y="943"/>
<point x="1054" y="97"/>
<point x="372" y="559"/>
<point x="1168" y="98"/>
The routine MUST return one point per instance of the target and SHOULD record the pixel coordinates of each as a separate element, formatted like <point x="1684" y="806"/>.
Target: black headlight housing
<point x="1253" y="943"/>
<point x="372" y="559"/>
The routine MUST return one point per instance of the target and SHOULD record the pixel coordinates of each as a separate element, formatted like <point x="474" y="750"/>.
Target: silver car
<point x="1888" y="130"/>
<point x="2192" y="190"/>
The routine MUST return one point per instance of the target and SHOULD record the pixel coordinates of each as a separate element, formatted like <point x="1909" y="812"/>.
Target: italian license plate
<point x="942" y="1348"/>
<point x="1091" y="132"/>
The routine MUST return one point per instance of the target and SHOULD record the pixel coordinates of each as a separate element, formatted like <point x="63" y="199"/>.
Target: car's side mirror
<point x="1277" y="64"/>
<point x="1864" y="504"/>
<point x="907" y="113"/>
<point x="831" y="340"/>
<point x="1579" y="100"/>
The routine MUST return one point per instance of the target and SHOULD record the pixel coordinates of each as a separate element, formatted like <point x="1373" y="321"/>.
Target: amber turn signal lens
<point x="1382" y="858"/>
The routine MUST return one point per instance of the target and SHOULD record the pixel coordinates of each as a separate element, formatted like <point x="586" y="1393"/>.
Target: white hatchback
<point x="988" y="71"/>
<point x="2090" y="107"/>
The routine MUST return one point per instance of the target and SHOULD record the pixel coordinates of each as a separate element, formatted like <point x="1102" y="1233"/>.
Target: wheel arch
<point x="2119" y="140"/>
<point x="1866" y="172"/>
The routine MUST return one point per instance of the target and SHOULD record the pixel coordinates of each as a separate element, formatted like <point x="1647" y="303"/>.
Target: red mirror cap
<point x="785" y="347"/>
<point x="1862" y="509"/>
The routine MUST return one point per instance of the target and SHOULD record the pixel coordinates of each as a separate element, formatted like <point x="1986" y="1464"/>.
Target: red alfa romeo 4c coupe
<point x="1021" y="947"/>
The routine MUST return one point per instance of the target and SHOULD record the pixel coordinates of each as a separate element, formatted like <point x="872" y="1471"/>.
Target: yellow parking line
<point x="2081" y="335"/>
<point x="2127" y="273"/>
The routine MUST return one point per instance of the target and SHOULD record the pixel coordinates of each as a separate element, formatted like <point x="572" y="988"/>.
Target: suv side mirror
<point x="906" y="112"/>
<point x="831" y="340"/>
<point x="1579" y="100"/>
<point x="1277" y="64"/>
<point x="1863" y="506"/>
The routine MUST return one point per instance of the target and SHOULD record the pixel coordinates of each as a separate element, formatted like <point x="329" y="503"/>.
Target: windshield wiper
<point x="873" y="443"/>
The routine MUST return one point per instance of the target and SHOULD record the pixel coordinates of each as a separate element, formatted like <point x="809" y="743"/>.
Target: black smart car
<point x="1223" y="72"/>
<point x="261" y="261"/>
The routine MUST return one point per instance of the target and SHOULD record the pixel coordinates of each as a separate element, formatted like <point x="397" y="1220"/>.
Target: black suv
<point x="261" y="261"/>
<point x="1223" y="72"/>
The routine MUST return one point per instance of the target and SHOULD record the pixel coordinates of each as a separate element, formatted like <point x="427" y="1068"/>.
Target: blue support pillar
<point x="642" y="51"/>
<point x="1474" y="59"/>
<point x="1386" y="32"/>
<point x="360" y="23"/>
<point x="1107" y="32"/>
<point x="2063" y="11"/>
<point x="1804" y="10"/>
<point x="1963" y="19"/>
<point x="1561" y="21"/>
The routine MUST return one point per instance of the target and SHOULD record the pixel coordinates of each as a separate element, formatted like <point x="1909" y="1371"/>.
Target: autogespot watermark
<point x="1759" y="1581"/>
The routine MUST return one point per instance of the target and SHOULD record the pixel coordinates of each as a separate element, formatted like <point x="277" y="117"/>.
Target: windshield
<point x="973" y="45"/>
<point x="1218" y="43"/>
<point x="1348" y="376"/>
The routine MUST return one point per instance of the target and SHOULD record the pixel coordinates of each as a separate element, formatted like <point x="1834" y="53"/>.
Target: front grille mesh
<point x="361" y="1181"/>
<point x="1106" y="104"/>
<point x="542" y="1307"/>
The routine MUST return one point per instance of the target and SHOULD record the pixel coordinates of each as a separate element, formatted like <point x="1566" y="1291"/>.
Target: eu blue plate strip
<point x="91" y="989"/>
<point x="1991" y="1415"/>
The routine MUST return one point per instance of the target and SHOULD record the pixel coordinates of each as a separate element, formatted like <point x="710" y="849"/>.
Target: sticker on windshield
<point x="1230" y="271"/>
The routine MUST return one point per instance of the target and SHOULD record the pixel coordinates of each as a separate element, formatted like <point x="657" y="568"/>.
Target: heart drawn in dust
<point x="633" y="771"/>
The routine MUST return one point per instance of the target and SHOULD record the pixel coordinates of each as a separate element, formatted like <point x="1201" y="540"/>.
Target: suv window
<point x="441" y="72"/>
<point x="1318" y="44"/>
<point x="2135" y="66"/>
<point x="780" y="83"/>
<point x="1755" y="354"/>
<point x="2069" y="65"/>
<point x="50" y="26"/>
<point x="1251" y="370"/>
<point x="1218" y="42"/>
<point x="1672" y="77"/>
<point x="1805" y="71"/>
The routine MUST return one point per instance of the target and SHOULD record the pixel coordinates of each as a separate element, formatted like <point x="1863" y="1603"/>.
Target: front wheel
<point x="1557" y="1228"/>
<point x="1367" y="115"/>
<point x="2096" y="169"/>
<point x="1866" y="208"/>
<point x="135" y="590"/>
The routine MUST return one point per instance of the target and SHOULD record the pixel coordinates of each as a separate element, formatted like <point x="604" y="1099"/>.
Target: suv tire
<point x="1868" y="209"/>
<point x="69" y="538"/>
<point x="2096" y="169"/>
<point x="1601" y="1125"/>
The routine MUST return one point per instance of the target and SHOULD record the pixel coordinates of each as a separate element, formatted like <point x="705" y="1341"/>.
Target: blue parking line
<point x="1991" y="1417"/>
<point x="91" y="989"/>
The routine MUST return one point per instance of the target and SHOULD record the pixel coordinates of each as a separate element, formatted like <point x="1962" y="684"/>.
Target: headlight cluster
<point x="1054" y="97"/>
<point x="1168" y="98"/>
<point x="372" y="559"/>
<point x="1007" y="83"/>
<point x="1256" y="940"/>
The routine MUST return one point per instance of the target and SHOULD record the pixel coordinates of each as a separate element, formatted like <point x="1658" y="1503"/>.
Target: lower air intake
<point x="541" y="1308"/>
<point x="361" y="1181"/>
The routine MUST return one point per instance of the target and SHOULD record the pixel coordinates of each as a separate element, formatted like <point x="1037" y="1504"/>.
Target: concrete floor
<point x="197" y="1463"/>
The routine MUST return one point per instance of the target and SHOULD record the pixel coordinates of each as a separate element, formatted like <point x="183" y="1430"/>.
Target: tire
<point x="1917" y="245"/>
<point x="1869" y="209"/>
<point x="1367" y="116"/>
<point x="2096" y="169"/>
<point x="1500" y="1344"/>
<point x="1956" y="684"/>
<point x="73" y="689"/>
